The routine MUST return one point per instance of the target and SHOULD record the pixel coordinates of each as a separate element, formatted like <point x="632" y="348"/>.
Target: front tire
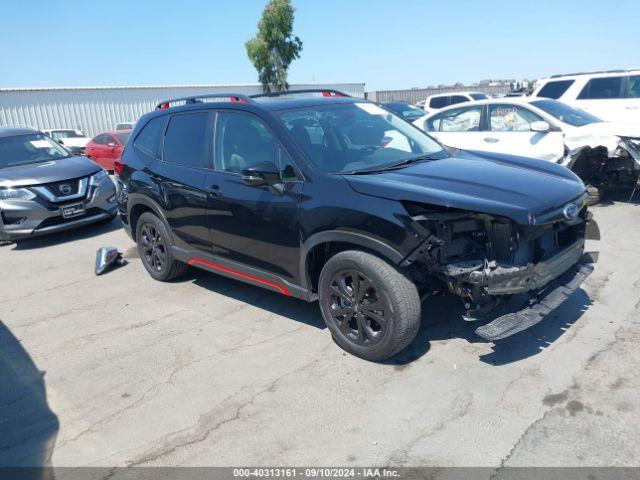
<point x="371" y="308"/>
<point x="595" y="194"/>
<point x="154" y="246"/>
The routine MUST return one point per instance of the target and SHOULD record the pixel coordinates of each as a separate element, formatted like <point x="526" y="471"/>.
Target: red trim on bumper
<point x="222" y="268"/>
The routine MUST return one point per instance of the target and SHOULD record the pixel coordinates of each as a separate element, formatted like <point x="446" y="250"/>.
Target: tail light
<point x="117" y="167"/>
<point x="238" y="100"/>
<point x="330" y="94"/>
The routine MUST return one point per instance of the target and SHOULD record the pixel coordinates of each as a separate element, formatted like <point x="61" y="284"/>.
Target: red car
<point x="107" y="147"/>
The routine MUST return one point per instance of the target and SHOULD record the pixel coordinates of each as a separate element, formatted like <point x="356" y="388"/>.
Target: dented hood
<point x="605" y="134"/>
<point x="514" y="187"/>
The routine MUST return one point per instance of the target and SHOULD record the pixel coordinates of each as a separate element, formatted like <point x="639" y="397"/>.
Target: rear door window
<point x="148" y="140"/>
<point x="439" y="102"/>
<point x="458" y="99"/>
<point x="187" y="141"/>
<point x="602" y="89"/>
<point x="555" y="89"/>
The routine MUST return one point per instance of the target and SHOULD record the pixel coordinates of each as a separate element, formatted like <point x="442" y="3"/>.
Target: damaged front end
<point x="486" y="259"/>
<point x="604" y="169"/>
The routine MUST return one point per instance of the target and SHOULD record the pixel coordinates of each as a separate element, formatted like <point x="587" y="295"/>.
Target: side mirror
<point x="265" y="173"/>
<point x="108" y="258"/>
<point x="540" y="126"/>
<point x="112" y="144"/>
<point x="60" y="142"/>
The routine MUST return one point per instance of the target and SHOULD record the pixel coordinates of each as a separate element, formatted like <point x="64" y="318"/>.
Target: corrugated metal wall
<point x="96" y="110"/>
<point x="416" y="95"/>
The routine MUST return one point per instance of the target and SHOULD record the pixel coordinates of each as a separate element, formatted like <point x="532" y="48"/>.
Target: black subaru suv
<point x="322" y="196"/>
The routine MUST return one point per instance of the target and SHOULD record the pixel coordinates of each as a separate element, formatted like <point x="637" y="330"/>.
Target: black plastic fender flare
<point x="365" y="241"/>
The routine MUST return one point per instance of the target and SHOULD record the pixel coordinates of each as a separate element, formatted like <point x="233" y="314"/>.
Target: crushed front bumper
<point x="540" y="305"/>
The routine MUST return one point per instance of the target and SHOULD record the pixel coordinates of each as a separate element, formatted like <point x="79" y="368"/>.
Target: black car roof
<point x="13" y="131"/>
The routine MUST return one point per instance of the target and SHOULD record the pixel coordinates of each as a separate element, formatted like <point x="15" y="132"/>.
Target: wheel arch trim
<point x="136" y="199"/>
<point x="366" y="241"/>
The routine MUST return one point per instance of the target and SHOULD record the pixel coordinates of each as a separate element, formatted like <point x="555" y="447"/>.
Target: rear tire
<point x="371" y="309"/>
<point x="154" y="246"/>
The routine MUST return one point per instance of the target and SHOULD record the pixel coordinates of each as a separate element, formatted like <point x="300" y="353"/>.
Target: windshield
<point x="479" y="96"/>
<point x="123" y="137"/>
<point x="60" y="134"/>
<point x="31" y="148"/>
<point x="565" y="113"/>
<point x="408" y="112"/>
<point x="345" y="138"/>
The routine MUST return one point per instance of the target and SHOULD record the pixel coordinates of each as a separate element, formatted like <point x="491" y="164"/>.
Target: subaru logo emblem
<point x="570" y="211"/>
<point x="65" y="188"/>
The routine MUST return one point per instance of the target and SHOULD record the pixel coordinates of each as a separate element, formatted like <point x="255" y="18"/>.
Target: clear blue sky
<point x="386" y="44"/>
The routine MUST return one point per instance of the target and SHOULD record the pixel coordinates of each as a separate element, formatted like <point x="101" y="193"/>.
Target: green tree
<point x="274" y="47"/>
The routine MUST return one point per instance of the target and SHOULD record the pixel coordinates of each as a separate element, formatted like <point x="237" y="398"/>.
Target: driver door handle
<point x="491" y="140"/>
<point x="214" y="190"/>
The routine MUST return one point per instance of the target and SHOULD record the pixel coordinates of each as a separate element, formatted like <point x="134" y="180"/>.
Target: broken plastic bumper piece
<point x="546" y="300"/>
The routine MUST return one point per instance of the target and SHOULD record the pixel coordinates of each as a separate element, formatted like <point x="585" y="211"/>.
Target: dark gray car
<point x="45" y="189"/>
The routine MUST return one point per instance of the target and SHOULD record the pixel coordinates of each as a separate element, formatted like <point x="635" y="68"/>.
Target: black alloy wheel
<point x="358" y="307"/>
<point x="153" y="248"/>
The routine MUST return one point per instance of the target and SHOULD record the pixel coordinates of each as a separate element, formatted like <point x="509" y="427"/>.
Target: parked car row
<point x="604" y="155"/>
<point x="104" y="149"/>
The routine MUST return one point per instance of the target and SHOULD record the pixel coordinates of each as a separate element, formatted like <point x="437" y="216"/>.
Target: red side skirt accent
<point x="222" y="268"/>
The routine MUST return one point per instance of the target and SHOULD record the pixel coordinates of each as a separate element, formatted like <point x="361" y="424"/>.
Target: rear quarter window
<point x="555" y="89"/>
<point x="602" y="89"/>
<point x="148" y="140"/>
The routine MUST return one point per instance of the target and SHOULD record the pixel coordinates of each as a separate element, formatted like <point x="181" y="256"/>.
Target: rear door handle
<point x="491" y="140"/>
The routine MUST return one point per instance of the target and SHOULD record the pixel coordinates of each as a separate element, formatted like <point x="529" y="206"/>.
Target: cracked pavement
<point x="121" y="370"/>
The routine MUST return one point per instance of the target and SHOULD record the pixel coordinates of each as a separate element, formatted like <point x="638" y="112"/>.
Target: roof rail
<point x="592" y="73"/>
<point x="234" y="97"/>
<point x="326" y="92"/>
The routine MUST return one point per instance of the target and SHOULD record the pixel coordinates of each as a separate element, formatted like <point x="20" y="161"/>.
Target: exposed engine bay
<point x="483" y="258"/>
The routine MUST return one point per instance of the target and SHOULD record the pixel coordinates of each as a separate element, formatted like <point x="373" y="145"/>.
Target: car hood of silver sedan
<point x="47" y="172"/>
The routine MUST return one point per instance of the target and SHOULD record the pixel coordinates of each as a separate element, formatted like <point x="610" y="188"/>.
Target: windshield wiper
<point x="394" y="166"/>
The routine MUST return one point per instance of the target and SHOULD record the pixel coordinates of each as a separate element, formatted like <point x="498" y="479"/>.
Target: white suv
<point x="613" y="96"/>
<point x="442" y="100"/>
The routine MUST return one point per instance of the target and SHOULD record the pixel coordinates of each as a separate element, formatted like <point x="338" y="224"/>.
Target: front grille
<point x="54" y="187"/>
<point x="52" y="221"/>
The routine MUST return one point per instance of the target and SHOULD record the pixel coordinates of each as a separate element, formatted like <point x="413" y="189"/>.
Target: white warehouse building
<point x="98" y="109"/>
